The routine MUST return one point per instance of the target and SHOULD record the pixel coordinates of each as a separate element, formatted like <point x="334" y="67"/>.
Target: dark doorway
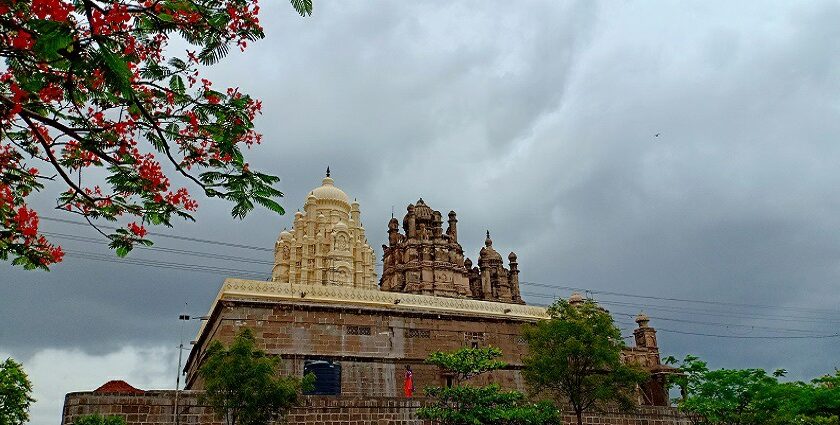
<point x="327" y="376"/>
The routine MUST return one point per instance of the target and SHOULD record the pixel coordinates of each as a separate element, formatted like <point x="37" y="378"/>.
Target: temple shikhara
<point x="327" y="243"/>
<point x="325" y="311"/>
<point x="426" y="260"/>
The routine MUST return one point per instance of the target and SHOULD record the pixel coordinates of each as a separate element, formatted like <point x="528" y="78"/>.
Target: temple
<point x="327" y="243"/>
<point x="323" y="313"/>
<point x="428" y="261"/>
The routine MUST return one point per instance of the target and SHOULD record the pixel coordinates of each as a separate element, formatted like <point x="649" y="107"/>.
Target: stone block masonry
<point x="374" y="335"/>
<point x="156" y="408"/>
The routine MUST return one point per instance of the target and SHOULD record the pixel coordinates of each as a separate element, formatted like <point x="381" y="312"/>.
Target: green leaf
<point x="270" y="204"/>
<point x="302" y="7"/>
<point x="177" y="63"/>
<point x="118" y="71"/>
<point x="123" y="250"/>
<point x="54" y="36"/>
<point x="176" y="83"/>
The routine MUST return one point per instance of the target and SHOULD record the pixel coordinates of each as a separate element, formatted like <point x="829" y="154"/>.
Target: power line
<point x="750" y="336"/>
<point x="228" y="271"/>
<point x="163" y="235"/>
<point x="727" y="325"/>
<point x="166" y="265"/>
<point x="538" y="284"/>
<point x="812" y="332"/>
<point x="185" y="238"/>
<point x="744" y="315"/>
<point x="723" y="303"/>
<point x="163" y="249"/>
<point x="716" y="313"/>
<point x="631" y="316"/>
<point x="261" y="275"/>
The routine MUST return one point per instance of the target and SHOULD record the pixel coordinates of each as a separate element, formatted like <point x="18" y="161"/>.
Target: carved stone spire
<point x="327" y="244"/>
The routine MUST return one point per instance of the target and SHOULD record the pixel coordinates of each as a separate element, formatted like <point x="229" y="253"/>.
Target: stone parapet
<point x="157" y="407"/>
<point x="260" y="290"/>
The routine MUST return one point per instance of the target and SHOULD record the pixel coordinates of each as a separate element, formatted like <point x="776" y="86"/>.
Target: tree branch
<point x="166" y="149"/>
<point x="54" y="161"/>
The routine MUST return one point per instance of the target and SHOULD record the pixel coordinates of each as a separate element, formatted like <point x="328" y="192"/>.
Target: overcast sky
<point x="539" y="122"/>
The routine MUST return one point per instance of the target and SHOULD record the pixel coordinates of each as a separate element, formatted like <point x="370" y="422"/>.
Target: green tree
<point x="15" y="393"/>
<point x="754" y="397"/>
<point x="464" y="404"/>
<point x="242" y="384"/>
<point x="99" y="420"/>
<point x="90" y="95"/>
<point x="575" y="356"/>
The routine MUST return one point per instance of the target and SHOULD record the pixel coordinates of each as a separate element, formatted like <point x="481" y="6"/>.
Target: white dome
<point x="328" y="192"/>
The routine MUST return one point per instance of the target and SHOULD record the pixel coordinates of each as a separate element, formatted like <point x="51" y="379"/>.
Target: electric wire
<point x="262" y="275"/>
<point x="163" y="249"/>
<point x="631" y="316"/>
<point x="706" y="312"/>
<point x="164" y="235"/>
<point x="167" y="265"/>
<point x="226" y="271"/>
<point x="531" y="283"/>
<point x="723" y="303"/>
<point x="749" y="336"/>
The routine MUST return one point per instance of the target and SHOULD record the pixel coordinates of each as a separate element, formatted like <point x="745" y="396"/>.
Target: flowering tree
<point x="91" y="99"/>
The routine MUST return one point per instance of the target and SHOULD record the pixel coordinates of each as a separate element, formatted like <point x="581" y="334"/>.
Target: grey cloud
<point x="536" y="122"/>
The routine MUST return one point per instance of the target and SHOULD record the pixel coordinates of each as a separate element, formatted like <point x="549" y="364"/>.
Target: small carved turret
<point x="437" y="224"/>
<point x="355" y="213"/>
<point x="393" y="231"/>
<point x="410" y="222"/>
<point x="513" y="278"/>
<point x="645" y="335"/>
<point x="452" y="230"/>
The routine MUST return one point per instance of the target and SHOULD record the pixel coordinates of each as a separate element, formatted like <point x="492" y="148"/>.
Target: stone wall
<point x="373" y="346"/>
<point x="156" y="408"/>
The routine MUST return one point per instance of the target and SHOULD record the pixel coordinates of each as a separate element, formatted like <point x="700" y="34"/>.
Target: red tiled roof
<point x="117" y="387"/>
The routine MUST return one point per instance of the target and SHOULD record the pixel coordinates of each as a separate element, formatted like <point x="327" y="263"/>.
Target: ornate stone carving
<point x="327" y="243"/>
<point x="258" y="290"/>
<point x="427" y="260"/>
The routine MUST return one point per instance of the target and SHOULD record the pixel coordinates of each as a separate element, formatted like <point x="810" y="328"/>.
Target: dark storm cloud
<point x="536" y="121"/>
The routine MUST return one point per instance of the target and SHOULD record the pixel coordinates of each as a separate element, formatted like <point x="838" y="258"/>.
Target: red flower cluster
<point x="26" y="221"/>
<point x="54" y="10"/>
<point x="151" y="173"/>
<point x="137" y="230"/>
<point x="51" y="92"/>
<point x="181" y="198"/>
<point x="22" y="40"/>
<point x="16" y="216"/>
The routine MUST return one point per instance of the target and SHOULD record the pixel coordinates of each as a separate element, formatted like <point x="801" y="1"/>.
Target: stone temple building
<point x="426" y="260"/>
<point x="323" y="312"/>
<point x="327" y="243"/>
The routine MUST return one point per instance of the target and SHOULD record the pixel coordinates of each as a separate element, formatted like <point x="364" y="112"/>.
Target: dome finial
<point x="488" y="242"/>
<point x="642" y="319"/>
<point x="328" y="170"/>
